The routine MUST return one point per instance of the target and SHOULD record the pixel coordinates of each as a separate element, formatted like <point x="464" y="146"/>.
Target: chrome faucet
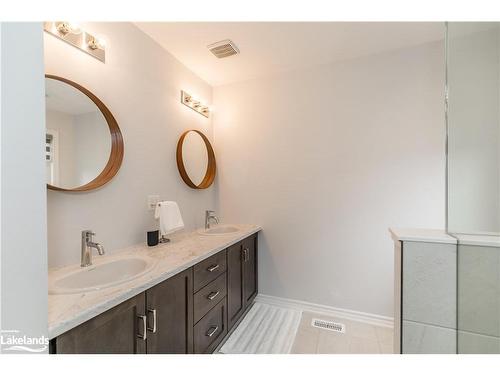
<point x="210" y="215"/>
<point x="87" y="245"/>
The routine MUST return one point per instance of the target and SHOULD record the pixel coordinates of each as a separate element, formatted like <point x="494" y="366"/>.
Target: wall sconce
<point x="72" y="33"/>
<point x="194" y="104"/>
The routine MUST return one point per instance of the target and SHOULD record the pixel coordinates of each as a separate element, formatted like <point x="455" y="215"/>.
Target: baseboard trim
<point x="379" y="320"/>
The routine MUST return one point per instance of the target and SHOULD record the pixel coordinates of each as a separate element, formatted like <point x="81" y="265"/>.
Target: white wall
<point x="140" y="83"/>
<point x="23" y="203"/>
<point x="0" y="175"/>
<point x="326" y="160"/>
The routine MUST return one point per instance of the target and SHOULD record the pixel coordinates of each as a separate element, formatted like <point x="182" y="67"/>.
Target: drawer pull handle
<point x="212" y="331"/>
<point x="144" y="327"/>
<point x="212" y="268"/>
<point x="152" y="311"/>
<point x="246" y="254"/>
<point x="212" y="295"/>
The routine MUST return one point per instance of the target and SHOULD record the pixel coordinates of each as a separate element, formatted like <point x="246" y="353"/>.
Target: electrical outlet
<point x="153" y="201"/>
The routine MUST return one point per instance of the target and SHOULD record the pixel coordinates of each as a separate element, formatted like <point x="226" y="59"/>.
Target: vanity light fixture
<point x="68" y="27"/>
<point x="94" y="43"/>
<point x="194" y="104"/>
<point x="72" y="34"/>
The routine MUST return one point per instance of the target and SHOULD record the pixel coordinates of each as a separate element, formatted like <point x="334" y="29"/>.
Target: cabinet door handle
<point x="246" y="254"/>
<point x="152" y="311"/>
<point x="211" y="331"/>
<point x="144" y="335"/>
<point x="213" y="268"/>
<point x="212" y="295"/>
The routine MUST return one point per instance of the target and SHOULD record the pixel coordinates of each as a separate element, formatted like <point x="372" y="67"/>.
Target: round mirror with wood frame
<point x="209" y="172"/>
<point x="105" y="171"/>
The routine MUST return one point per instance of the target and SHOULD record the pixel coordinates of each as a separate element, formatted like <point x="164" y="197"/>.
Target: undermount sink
<point x="219" y="230"/>
<point x="100" y="276"/>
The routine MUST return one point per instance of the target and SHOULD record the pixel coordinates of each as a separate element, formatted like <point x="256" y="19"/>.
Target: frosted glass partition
<point x="478" y="298"/>
<point x="473" y="71"/>
<point x="473" y="215"/>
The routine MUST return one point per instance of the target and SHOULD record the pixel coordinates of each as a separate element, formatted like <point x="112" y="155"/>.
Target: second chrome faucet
<point x="210" y="215"/>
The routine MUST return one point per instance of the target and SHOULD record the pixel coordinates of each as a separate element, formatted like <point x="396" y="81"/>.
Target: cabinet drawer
<point x="209" y="296"/>
<point x="209" y="269"/>
<point x="211" y="329"/>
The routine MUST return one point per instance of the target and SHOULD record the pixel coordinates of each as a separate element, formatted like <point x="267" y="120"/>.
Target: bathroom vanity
<point x="182" y="296"/>
<point x="199" y="287"/>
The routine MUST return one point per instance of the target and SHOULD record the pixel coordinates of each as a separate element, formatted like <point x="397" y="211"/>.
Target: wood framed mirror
<point x="84" y="144"/>
<point x="196" y="159"/>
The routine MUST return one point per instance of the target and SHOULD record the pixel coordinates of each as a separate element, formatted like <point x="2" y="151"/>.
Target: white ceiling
<point x="272" y="47"/>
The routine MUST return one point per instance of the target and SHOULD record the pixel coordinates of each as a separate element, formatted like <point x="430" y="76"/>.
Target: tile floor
<point x="359" y="338"/>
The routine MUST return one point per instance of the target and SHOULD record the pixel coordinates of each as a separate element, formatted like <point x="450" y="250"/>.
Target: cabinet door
<point x="172" y="303"/>
<point x="235" y="298"/>
<point x="249" y="248"/>
<point x="116" y="331"/>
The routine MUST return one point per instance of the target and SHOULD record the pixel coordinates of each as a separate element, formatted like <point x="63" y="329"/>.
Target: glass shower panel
<point x="478" y="298"/>
<point x="473" y="71"/>
<point x="473" y="193"/>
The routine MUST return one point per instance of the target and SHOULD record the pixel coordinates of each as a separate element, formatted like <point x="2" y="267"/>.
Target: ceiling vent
<point x="224" y="48"/>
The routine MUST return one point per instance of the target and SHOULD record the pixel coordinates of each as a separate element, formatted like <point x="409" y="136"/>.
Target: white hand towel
<point x="170" y="217"/>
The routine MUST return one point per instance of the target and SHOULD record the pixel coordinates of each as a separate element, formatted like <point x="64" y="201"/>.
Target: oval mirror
<point x="84" y="145"/>
<point x="196" y="159"/>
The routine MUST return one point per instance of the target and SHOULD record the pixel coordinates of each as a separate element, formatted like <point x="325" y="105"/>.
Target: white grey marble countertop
<point x="421" y="235"/>
<point x="440" y="236"/>
<point x="478" y="240"/>
<point x="67" y="311"/>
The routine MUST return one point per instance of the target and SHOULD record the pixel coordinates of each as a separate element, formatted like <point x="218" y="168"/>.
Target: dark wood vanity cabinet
<point x="242" y="282"/>
<point x="169" y="313"/>
<point x="115" y="331"/>
<point x="211" y="329"/>
<point x="235" y="299"/>
<point x="190" y="312"/>
<point x="210" y="315"/>
<point x="250" y="281"/>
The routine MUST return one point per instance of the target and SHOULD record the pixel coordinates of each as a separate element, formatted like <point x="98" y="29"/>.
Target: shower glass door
<point x="473" y="179"/>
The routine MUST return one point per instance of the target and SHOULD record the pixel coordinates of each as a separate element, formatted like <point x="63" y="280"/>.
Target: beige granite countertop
<point x="67" y="311"/>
